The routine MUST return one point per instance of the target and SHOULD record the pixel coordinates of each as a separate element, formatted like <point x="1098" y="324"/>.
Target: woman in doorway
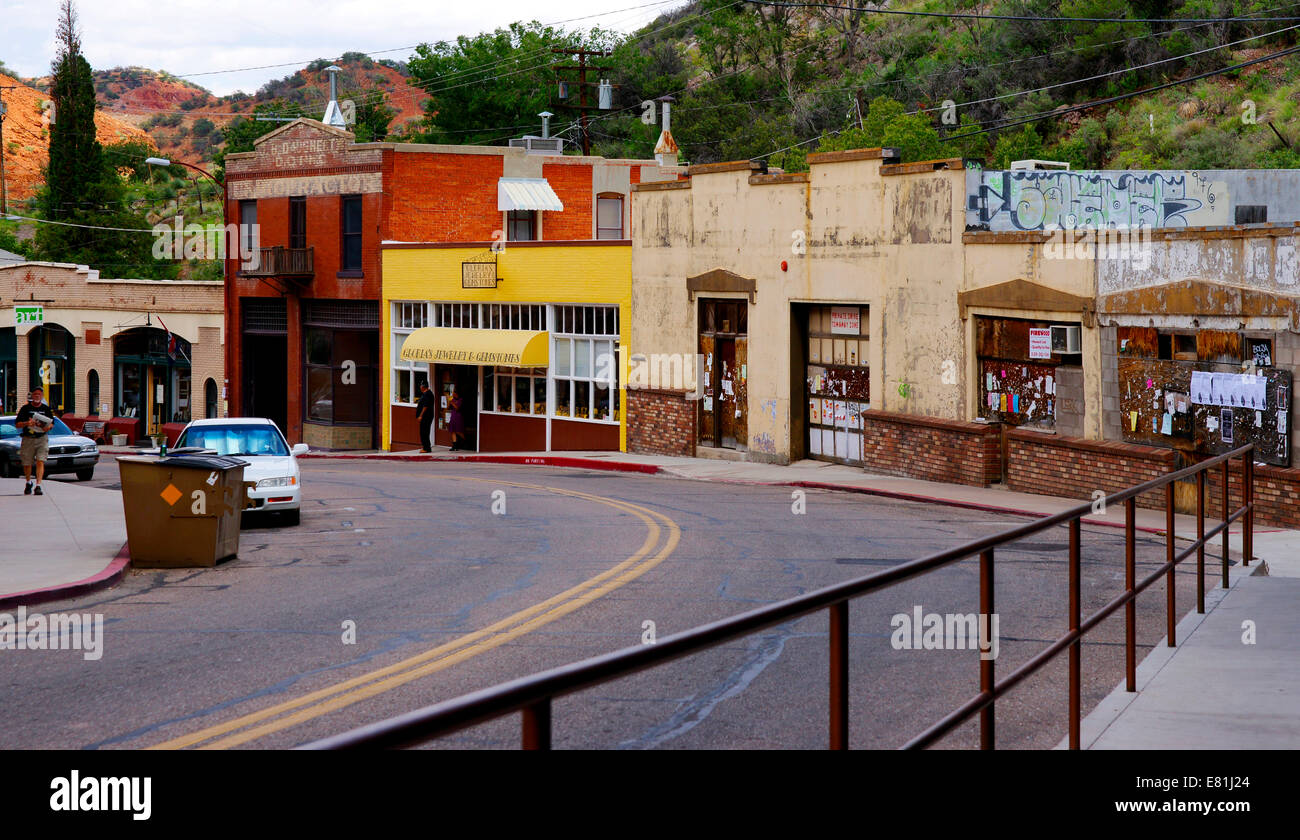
<point x="456" y="424"/>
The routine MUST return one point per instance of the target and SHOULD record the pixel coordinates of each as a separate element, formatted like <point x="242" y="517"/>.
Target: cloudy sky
<point x="192" y="39"/>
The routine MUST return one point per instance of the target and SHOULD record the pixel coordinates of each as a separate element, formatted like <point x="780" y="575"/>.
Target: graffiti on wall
<point x="1034" y="200"/>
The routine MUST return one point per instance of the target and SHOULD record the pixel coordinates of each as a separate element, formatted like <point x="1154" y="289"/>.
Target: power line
<point x="1011" y="123"/>
<point x="1031" y="18"/>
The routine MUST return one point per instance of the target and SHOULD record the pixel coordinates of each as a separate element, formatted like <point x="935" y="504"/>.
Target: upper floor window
<point x="609" y="216"/>
<point x="298" y="222"/>
<point x="351" y="233"/>
<point x="521" y="225"/>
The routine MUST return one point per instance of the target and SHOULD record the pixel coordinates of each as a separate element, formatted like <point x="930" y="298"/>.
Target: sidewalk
<point x="58" y="545"/>
<point x="1210" y="692"/>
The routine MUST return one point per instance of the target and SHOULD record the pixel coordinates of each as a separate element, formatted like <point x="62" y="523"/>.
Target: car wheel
<point x="292" y="517"/>
<point x="4" y="467"/>
<point x="85" y="475"/>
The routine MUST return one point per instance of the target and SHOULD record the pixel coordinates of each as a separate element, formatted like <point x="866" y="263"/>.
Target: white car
<point x="258" y="443"/>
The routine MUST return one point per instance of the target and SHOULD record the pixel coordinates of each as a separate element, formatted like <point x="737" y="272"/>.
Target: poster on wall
<point x="1040" y="343"/>
<point x="846" y="320"/>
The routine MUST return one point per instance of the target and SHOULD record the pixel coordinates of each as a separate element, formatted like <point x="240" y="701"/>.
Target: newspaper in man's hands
<point x="43" y="419"/>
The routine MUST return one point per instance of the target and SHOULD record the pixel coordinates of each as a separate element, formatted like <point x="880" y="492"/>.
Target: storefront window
<point x="338" y="376"/>
<point x="407" y="375"/>
<point x="586" y="367"/>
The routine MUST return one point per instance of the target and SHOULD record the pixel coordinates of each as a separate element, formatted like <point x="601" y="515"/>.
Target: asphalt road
<point x="257" y="652"/>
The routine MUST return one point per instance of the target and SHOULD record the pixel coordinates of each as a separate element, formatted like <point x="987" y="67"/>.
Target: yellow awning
<point x="454" y="346"/>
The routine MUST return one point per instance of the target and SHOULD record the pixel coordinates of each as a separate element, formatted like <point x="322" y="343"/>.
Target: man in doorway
<point x="35" y="419"/>
<point x="424" y="412"/>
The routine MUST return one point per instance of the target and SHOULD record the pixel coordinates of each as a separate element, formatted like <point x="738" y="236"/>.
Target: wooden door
<point x="708" y="405"/>
<point x="727" y="392"/>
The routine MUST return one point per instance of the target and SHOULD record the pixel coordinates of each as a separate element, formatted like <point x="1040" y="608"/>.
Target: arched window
<point x="92" y="392"/>
<point x="210" y="397"/>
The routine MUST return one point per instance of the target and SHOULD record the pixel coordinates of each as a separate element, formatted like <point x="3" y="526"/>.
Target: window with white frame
<point x="407" y="375"/>
<point x="512" y="390"/>
<point x="584" y="362"/>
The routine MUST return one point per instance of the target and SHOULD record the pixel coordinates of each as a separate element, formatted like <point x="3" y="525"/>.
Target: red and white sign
<point x="1040" y="343"/>
<point x="846" y="320"/>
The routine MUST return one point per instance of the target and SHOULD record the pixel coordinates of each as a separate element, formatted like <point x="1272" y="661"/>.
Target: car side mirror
<point x="300" y="449"/>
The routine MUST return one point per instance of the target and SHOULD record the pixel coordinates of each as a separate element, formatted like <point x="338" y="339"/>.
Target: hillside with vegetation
<point x="778" y="81"/>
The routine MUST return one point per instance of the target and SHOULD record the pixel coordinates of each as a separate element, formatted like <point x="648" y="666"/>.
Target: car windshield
<point x="235" y="439"/>
<point x="8" y="429"/>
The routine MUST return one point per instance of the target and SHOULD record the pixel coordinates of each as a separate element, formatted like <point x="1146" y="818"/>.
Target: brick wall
<point x="931" y="449"/>
<point x="445" y="198"/>
<point x="1277" y="494"/>
<point x="1074" y="468"/>
<point x="660" y="422"/>
<point x="572" y="185"/>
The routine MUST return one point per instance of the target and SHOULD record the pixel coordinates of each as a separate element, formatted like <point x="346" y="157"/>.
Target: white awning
<point x="526" y="194"/>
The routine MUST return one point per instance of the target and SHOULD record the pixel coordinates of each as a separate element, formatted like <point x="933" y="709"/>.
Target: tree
<point x="83" y="192"/>
<point x="373" y="116"/>
<point x="1025" y="144"/>
<point x="482" y="89"/>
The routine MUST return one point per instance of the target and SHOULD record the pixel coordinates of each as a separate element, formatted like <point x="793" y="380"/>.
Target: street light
<point x="157" y="161"/>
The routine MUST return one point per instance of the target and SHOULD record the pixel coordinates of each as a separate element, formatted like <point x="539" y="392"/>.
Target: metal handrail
<point x="533" y="694"/>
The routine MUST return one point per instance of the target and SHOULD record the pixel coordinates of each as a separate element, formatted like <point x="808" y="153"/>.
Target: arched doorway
<point x="51" y="353"/>
<point x="152" y="378"/>
<point x="210" y="398"/>
<point x="92" y="393"/>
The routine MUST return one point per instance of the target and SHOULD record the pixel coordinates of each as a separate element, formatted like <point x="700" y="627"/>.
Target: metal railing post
<point x="839" y="675"/>
<point x="1077" y="647"/>
<point x="1200" y="542"/>
<point x="1130" y="609"/>
<point x="1226" y="529"/>
<point x="1248" y="500"/>
<point x="986" y="664"/>
<point x="537" y="725"/>
<point x="1171" y="619"/>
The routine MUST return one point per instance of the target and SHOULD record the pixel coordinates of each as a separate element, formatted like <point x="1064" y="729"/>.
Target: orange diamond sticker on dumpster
<point x="170" y="494"/>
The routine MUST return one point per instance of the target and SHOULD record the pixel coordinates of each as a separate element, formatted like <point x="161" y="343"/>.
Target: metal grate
<point x="264" y="315"/>
<point x="347" y="314"/>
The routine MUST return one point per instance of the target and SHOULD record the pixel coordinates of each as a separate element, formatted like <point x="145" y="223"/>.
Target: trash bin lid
<point x="202" y="461"/>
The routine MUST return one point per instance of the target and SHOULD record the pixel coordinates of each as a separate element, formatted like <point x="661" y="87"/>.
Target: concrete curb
<point x="1112" y="707"/>
<point x="111" y="574"/>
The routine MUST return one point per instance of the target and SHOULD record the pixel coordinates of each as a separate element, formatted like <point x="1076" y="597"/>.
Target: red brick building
<point x="304" y="317"/>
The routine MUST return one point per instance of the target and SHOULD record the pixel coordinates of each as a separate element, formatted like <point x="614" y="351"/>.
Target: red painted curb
<point x="111" y="574"/>
<point x="532" y="460"/>
<point x="934" y="500"/>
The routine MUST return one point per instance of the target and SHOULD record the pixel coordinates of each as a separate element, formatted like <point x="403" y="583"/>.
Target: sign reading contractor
<point x="846" y="320"/>
<point x="478" y="275"/>
<point x="1040" y="343"/>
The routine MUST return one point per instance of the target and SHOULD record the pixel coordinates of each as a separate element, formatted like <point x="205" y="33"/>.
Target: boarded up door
<point x="742" y="392"/>
<point x="708" y="426"/>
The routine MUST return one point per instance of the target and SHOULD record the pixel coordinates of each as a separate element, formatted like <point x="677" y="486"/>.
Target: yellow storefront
<point x="529" y="337"/>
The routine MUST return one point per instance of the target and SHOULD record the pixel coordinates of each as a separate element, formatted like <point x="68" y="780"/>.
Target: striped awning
<point x="526" y="194"/>
<point x="451" y="345"/>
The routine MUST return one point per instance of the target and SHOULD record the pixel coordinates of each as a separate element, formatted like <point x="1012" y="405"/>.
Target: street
<point x="452" y="577"/>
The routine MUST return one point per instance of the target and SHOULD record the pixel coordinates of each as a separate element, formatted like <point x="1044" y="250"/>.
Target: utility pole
<point x="582" y="67"/>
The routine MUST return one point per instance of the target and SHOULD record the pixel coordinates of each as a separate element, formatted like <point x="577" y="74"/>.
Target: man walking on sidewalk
<point x="35" y="419"/>
<point x="424" y="411"/>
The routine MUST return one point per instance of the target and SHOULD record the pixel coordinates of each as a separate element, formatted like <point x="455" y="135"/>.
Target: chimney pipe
<point x="333" y="113"/>
<point x="546" y="123"/>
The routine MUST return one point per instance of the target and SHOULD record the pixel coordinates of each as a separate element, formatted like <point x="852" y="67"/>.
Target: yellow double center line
<point x="291" y="713"/>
